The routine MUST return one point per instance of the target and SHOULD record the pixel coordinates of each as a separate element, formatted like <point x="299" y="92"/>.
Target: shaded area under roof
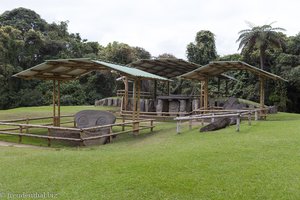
<point x="70" y="69"/>
<point x="216" y="68"/>
<point x="166" y="67"/>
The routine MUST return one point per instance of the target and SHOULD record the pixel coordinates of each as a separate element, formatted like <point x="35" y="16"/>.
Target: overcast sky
<point x="163" y="26"/>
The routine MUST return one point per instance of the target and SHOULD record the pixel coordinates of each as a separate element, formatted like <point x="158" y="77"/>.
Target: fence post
<point x="20" y="136"/>
<point x="238" y="120"/>
<point x="249" y="118"/>
<point x="110" y="132"/>
<point x="27" y="122"/>
<point x="256" y="115"/>
<point x="190" y="123"/>
<point x="213" y="119"/>
<point x="123" y="125"/>
<point x="49" y="140"/>
<point x="151" y="124"/>
<point x="135" y="127"/>
<point x="178" y="126"/>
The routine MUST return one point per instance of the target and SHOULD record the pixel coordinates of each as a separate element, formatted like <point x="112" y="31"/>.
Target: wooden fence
<point x="24" y="129"/>
<point x="238" y="114"/>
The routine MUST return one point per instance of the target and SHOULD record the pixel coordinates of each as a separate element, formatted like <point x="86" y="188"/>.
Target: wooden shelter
<point x="69" y="69"/>
<point x="169" y="68"/>
<point x="219" y="67"/>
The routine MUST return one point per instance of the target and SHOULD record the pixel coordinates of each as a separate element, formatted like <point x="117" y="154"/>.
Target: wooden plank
<point x="58" y="103"/>
<point x="40" y="136"/>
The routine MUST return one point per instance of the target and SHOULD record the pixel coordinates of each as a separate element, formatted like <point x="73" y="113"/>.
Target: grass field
<point x="262" y="161"/>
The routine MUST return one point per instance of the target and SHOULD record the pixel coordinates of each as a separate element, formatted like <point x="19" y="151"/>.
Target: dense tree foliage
<point x="261" y="38"/>
<point x="203" y="49"/>
<point x="27" y="40"/>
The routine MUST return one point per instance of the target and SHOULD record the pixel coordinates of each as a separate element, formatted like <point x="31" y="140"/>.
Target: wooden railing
<point x="228" y="113"/>
<point x="25" y="128"/>
<point x="121" y="93"/>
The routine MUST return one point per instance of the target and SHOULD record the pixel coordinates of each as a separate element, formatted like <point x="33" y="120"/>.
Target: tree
<point x="203" y="50"/>
<point x="261" y="38"/>
<point x="23" y="19"/>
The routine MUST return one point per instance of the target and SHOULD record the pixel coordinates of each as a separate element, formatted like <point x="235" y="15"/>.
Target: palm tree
<point x="261" y="37"/>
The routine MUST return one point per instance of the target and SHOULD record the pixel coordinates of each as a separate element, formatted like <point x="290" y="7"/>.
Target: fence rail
<point x="229" y="113"/>
<point x="136" y="125"/>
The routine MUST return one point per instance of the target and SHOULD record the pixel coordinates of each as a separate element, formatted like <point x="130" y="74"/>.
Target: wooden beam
<point x="201" y="104"/>
<point x="138" y="98"/>
<point x="53" y="102"/>
<point x="205" y="93"/>
<point x="134" y="100"/>
<point x="125" y="80"/>
<point x="155" y="89"/>
<point x="58" y="103"/>
<point x="262" y="92"/>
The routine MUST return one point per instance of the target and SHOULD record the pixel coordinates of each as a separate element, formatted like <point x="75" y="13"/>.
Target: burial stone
<point x="97" y="102"/>
<point x="216" y="125"/>
<point x="272" y="109"/>
<point x="182" y="107"/>
<point x="115" y="102"/>
<point x="147" y="105"/>
<point x="151" y="105"/>
<point x="109" y="102"/>
<point x="173" y="107"/>
<point x="119" y="102"/>
<point x="90" y="118"/>
<point x="159" y="107"/>
<point x="195" y="104"/>
<point x="142" y="105"/>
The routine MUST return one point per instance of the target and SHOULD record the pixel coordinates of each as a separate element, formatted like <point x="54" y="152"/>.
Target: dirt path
<point x="11" y="144"/>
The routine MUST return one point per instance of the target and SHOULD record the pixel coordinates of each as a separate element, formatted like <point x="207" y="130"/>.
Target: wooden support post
<point x="138" y="98"/>
<point x="205" y="93"/>
<point x="58" y="103"/>
<point x="125" y="93"/>
<point x="54" y="102"/>
<point x="155" y="90"/>
<point x="168" y="88"/>
<point x="123" y="121"/>
<point x="213" y="119"/>
<point x="226" y="87"/>
<point x="262" y="96"/>
<point x="134" y="100"/>
<point x="219" y="84"/>
<point x="201" y="95"/>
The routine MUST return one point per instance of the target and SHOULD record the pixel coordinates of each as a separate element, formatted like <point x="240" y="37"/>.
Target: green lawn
<point x="262" y="161"/>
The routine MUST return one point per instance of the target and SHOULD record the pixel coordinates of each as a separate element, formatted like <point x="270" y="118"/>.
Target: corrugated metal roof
<point x="218" y="67"/>
<point x="130" y="71"/>
<point x="69" y="69"/>
<point x="166" y="67"/>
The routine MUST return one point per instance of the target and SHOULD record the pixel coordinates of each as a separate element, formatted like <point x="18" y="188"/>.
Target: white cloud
<point x="163" y="26"/>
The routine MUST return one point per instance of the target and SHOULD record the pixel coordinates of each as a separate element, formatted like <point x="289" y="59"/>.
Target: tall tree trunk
<point x="262" y="56"/>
